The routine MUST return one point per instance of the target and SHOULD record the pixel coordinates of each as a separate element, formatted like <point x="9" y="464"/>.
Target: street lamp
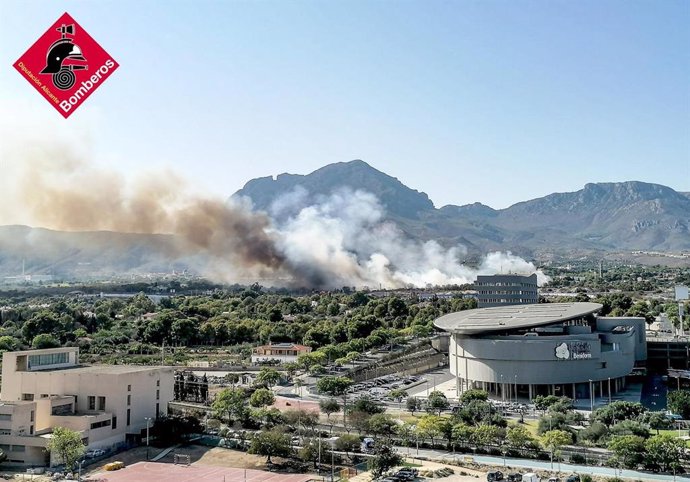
<point x="609" y="390"/>
<point x="148" y="419"/>
<point x="80" y="464"/>
<point x="503" y="397"/>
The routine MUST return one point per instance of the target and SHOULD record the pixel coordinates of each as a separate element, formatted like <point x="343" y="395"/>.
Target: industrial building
<point x="107" y="404"/>
<point x="561" y="349"/>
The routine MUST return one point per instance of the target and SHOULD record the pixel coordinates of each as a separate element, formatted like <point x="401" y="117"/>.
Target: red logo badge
<point x="66" y="65"/>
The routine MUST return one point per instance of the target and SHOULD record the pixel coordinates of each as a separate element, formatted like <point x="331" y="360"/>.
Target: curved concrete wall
<point x="533" y="360"/>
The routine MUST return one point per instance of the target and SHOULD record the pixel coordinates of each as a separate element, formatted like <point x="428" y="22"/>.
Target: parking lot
<point x="379" y="388"/>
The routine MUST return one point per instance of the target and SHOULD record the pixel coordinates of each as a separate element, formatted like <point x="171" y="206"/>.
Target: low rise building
<point x="108" y="405"/>
<point x="281" y="352"/>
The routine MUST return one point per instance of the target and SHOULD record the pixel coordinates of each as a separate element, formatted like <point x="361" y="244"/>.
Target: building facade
<point x="107" y="404"/>
<point x="280" y="352"/>
<point x="560" y="349"/>
<point x="506" y="289"/>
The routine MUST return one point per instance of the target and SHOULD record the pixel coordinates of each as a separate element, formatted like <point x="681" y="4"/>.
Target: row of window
<point x="12" y="448"/>
<point x="50" y="359"/>
<point x="103" y="423"/>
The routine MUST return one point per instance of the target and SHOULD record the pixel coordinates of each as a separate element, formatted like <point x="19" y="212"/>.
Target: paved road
<point x="538" y="464"/>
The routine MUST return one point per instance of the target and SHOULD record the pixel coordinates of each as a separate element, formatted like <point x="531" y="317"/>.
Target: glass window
<point x="129" y="388"/>
<point x="101" y="403"/>
<point x="92" y="402"/>
<point x="129" y="412"/>
<point x="50" y="359"/>
<point x="5" y="417"/>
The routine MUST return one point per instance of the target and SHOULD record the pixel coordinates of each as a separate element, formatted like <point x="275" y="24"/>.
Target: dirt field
<point x="217" y="457"/>
<point x="205" y="459"/>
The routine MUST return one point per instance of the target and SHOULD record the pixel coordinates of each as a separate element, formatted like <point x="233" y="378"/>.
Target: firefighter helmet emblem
<point x="62" y="51"/>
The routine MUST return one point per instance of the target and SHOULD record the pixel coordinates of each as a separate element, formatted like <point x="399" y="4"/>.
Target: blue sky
<point x="490" y="101"/>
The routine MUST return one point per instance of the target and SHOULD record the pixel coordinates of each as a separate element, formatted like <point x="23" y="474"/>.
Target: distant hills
<point x="600" y="217"/>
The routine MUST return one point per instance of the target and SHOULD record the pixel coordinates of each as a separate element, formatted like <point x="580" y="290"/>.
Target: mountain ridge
<point x="606" y="216"/>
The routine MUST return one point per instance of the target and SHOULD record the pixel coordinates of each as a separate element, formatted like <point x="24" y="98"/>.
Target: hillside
<point x="604" y="216"/>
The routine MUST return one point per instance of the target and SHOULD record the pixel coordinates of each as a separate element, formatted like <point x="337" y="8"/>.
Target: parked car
<point x="515" y="477"/>
<point x="494" y="476"/>
<point x="573" y="478"/>
<point x="531" y="477"/>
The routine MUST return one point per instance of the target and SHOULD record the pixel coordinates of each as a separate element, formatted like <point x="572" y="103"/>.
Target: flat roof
<point x="104" y="369"/>
<point x="512" y="317"/>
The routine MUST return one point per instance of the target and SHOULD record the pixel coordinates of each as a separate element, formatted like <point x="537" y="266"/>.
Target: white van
<point x="530" y="477"/>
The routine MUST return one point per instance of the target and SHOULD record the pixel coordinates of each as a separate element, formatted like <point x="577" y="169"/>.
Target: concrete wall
<point x="533" y="360"/>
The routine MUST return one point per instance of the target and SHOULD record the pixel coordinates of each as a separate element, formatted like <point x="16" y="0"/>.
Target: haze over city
<point x="456" y="99"/>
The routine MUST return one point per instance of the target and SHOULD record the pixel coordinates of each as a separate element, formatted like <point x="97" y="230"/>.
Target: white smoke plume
<point x="343" y="240"/>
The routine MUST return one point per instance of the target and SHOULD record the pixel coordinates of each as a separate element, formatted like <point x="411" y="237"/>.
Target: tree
<point x="368" y="405"/>
<point x="8" y="343"/>
<point x="474" y="394"/>
<point x="398" y="394"/>
<point x="431" y="426"/>
<point x="382" y="425"/>
<point x="628" y="450"/>
<point x="271" y="443"/>
<point x="385" y="458"/>
<point x="349" y="444"/>
<point x="262" y="397"/>
<point x="329" y="406"/>
<point x="269" y="417"/>
<point x="519" y="438"/>
<point x="665" y="451"/>
<point x="543" y="403"/>
<point x="488" y="435"/>
<point x="656" y="421"/>
<point x="679" y="402"/>
<point x="268" y="376"/>
<point x="413" y="404"/>
<point x="67" y="444"/>
<point x="44" y="340"/>
<point x="630" y="427"/>
<point x="437" y="402"/>
<point x="334" y="386"/>
<point x="359" y="420"/>
<point x="231" y="404"/>
<point x="307" y="419"/>
<point x="553" y="440"/>
<point x="617" y="412"/>
<point x="313" y="450"/>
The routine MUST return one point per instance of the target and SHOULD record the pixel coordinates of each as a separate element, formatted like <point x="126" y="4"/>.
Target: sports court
<point x="154" y="472"/>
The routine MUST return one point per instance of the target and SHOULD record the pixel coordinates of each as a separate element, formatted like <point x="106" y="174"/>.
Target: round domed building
<point x="561" y="349"/>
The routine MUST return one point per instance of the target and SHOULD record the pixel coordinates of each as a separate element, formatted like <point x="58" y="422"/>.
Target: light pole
<point x="79" y="475"/>
<point x="503" y="395"/>
<point x="148" y="419"/>
<point x="609" y="390"/>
